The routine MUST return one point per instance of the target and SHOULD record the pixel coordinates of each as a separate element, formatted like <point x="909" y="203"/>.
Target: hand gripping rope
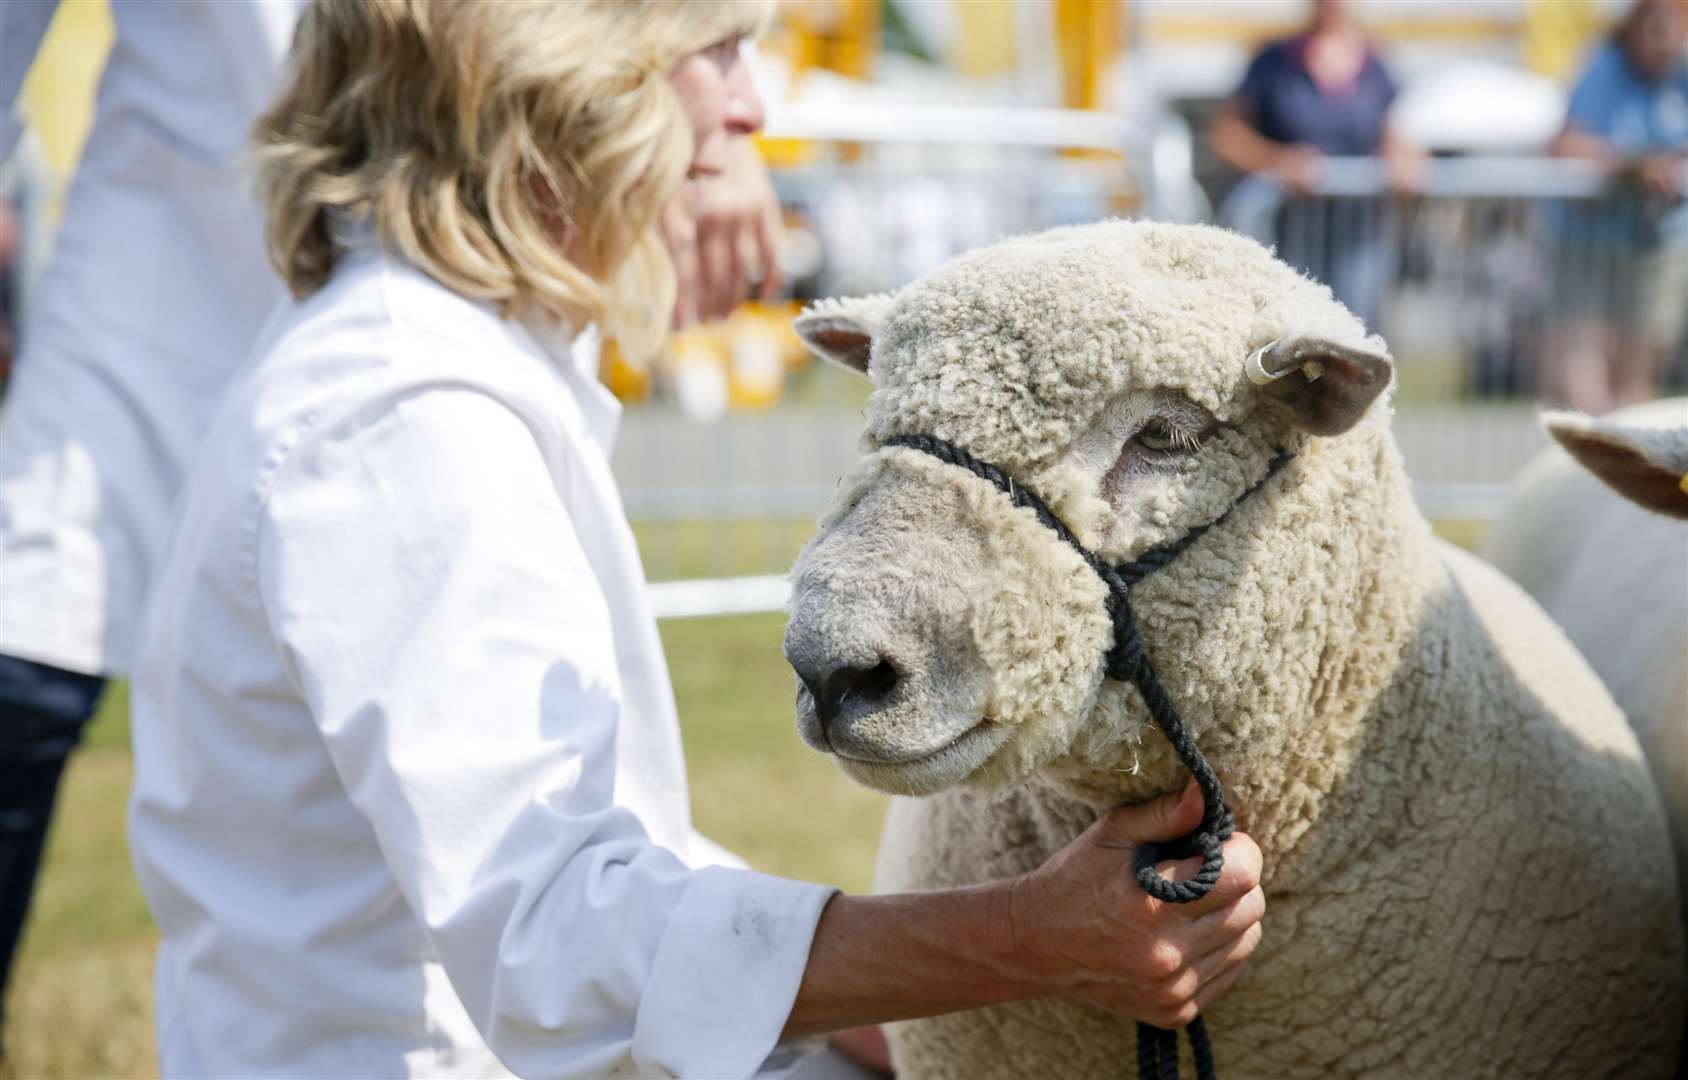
<point x="1157" y="1048"/>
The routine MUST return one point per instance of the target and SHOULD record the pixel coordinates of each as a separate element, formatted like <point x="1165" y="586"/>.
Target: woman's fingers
<point x="715" y="249"/>
<point x="736" y="287"/>
<point x="1227" y="956"/>
<point x="1240" y="875"/>
<point x="1217" y="928"/>
<point x="679" y="235"/>
<point x="1211" y="991"/>
<point x="1206" y="963"/>
<point x="768" y="230"/>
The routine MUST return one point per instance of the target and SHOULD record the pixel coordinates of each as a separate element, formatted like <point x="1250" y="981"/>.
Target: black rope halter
<point x="1157" y="1048"/>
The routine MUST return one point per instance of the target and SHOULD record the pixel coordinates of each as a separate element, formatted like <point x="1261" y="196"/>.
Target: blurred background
<point x="1432" y="181"/>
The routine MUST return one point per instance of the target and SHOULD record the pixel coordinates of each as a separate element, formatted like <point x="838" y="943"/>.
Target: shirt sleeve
<point x="1253" y="96"/>
<point x="432" y="602"/>
<point x="1590" y="107"/>
<point x="1387" y="88"/>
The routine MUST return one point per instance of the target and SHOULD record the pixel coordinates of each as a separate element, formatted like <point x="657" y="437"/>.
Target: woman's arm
<point x="1589" y="111"/>
<point x="1403" y="160"/>
<point x="1573" y="142"/>
<point x="1078" y="927"/>
<point x="1240" y="146"/>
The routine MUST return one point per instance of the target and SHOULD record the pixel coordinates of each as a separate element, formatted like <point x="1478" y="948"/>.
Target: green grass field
<point x="81" y="1003"/>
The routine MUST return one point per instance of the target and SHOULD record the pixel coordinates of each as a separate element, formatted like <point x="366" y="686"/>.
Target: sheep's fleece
<point x="1613" y="575"/>
<point x="1466" y="863"/>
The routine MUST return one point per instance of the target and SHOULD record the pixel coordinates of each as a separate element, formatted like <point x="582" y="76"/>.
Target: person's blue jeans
<point x="43" y="710"/>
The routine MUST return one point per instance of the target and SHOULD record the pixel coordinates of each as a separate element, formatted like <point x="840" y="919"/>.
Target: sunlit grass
<point x="709" y="549"/>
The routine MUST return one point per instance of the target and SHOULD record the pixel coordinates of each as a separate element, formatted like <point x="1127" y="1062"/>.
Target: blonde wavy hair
<point x="518" y="151"/>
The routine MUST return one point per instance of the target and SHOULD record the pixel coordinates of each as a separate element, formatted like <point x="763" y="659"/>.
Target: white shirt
<point x="409" y="789"/>
<point x="153" y="295"/>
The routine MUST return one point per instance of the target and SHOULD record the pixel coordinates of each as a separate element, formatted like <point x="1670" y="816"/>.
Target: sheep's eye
<point x="1161" y="437"/>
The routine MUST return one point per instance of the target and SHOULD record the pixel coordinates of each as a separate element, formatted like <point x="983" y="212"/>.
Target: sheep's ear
<point x="842" y="330"/>
<point x="1647" y="466"/>
<point x="1325" y="387"/>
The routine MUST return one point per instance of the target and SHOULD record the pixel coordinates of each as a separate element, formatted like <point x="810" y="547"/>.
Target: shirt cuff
<point x="726" y="973"/>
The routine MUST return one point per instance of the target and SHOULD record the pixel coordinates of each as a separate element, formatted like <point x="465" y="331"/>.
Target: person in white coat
<point x="409" y="793"/>
<point x="153" y="295"/>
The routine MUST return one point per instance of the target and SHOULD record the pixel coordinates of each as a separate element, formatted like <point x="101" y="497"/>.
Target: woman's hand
<point x="724" y="232"/>
<point x="1082" y="927"/>
<point x="1078" y="927"/>
<point x="1298" y="168"/>
<point x="1662" y="175"/>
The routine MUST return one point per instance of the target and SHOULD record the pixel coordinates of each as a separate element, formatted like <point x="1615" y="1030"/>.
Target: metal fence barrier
<point x="1505" y="276"/>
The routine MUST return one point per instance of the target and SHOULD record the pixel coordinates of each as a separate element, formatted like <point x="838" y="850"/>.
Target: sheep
<point x="1613" y="573"/>
<point x="1466" y="865"/>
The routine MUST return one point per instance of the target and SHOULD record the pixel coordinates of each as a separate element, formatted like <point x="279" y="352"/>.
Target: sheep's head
<point x="940" y="634"/>
<point x="1645" y="463"/>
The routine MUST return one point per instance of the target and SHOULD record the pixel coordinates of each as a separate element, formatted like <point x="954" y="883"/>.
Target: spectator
<point x="1621" y="268"/>
<point x="147" y="309"/>
<point x="1324" y="92"/>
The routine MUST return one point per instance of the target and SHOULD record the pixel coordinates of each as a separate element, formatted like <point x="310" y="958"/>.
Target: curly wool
<point x="1466" y="862"/>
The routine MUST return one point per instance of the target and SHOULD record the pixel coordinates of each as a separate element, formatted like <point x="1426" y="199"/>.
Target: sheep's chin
<point x="954" y="763"/>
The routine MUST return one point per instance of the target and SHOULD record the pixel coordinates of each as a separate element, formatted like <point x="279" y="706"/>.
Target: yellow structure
<point x="58" y="93"/>
<point x="984" y="43"/>
<point x="1088" y="37"/>
<point x="838" y="35"/>
<point x="745" y="358"/>
<point x="1557" y="35"/>
<point x="832" y="35"/>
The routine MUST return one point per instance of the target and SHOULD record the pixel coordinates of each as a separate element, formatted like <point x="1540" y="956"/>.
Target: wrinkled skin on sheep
<point x="1466" y="865"/>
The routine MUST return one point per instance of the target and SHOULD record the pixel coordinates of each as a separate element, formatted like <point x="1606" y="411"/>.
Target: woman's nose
<point x="745" y="112"/>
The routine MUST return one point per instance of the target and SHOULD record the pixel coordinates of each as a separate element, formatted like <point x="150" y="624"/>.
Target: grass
<point x="755" y="787"/>
<point x="693" y="548"/>
<point x="81" y="1002"/>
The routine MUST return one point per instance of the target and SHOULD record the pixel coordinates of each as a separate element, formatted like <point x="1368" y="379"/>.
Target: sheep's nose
<point x="861" y="689"/>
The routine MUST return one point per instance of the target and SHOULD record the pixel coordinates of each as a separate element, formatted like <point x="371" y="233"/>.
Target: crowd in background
<point x="1615" y="290"/>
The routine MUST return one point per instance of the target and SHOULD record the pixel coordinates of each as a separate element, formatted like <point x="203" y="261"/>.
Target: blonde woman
<point x="410" y="797"/>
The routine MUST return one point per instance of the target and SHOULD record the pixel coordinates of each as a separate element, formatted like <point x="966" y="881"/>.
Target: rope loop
<point x="1167" y="891"/>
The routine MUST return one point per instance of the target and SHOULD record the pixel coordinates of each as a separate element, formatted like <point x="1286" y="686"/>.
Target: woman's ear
<point x="1647" y="466"/>
<point x="842" y="330"/>
<point x="1325" y="387"/>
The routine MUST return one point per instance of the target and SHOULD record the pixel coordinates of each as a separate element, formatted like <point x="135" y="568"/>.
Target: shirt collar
<point x="576" y="358"/>
<point x="575" y="355"/>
